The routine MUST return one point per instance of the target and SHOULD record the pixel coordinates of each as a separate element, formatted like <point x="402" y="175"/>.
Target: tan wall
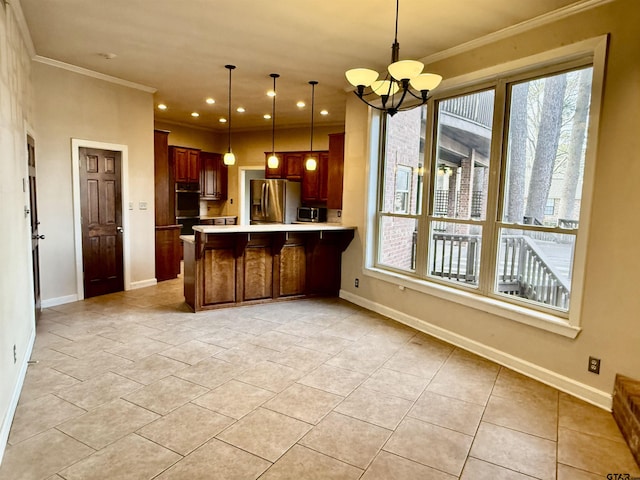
<point x="611" y="304"/>
<point x="70" y="105"/>
<point x="16" y="298"/>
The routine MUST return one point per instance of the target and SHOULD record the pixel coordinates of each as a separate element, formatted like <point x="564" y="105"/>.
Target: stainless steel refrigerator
<point x="274" y="201"/>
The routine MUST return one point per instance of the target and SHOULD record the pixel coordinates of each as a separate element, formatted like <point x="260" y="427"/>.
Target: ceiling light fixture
<point x="272" y="161"/>
<point x="229" y="158"/>
<point x="311" y="163"/>
<point x="195" y="114"/>
<point x="402" y="76"/>
<point x="162" y="106"/>
<point x="210" y="101"/>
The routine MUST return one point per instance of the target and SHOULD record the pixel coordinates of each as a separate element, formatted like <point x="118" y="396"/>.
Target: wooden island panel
<point x="226" y="269"/>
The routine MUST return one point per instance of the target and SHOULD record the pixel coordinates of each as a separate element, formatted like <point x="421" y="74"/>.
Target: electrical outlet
<point x="357" y="282"/>
<point x="594" y="365"/>
<point x="339" y="213"/>
<point x="15" y="354"/>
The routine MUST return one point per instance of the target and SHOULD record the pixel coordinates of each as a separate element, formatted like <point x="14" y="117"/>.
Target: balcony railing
<point x="523" y="269"/>
<point x="477" y="108"/>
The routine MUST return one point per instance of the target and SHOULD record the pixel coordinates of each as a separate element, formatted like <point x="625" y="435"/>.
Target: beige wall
<point x="611" y="304"/>
<point x="70" y="105"/>
<point x="16" y="298"/>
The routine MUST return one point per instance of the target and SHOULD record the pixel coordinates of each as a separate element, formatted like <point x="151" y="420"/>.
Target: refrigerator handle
<point x="266" y="199"/>
<point x="263" y="211"/>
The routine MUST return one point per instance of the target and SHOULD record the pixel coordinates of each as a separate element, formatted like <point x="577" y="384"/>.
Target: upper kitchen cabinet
<point x="186" y="164"/>
<point x="289" y="166"/>
<point x="335" y="171"/>
<point x="213" y="177"/>
<point x="314" y="182"/>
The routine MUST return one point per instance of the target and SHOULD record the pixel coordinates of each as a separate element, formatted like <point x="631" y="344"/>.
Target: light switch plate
<point x="142" y="205"/>
<point x="130" y="205"/>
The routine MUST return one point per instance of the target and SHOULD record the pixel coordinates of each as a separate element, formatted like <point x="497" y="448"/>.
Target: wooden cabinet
<point x="290" y="166"/>
<point x="186" y="164"/>
<point x="213" y="177"/>
<point x="335" y="170"/>
<point x="314" y="182"/>
<point x="168" y="252"/>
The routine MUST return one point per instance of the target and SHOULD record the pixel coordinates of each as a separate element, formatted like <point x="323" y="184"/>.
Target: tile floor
<point x="133" y="386"/>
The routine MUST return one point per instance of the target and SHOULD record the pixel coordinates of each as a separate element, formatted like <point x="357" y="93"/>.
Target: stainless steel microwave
<point x="312" y="214"/>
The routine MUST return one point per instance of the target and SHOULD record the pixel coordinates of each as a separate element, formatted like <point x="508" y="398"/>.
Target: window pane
<point x="462" y="166"/>
<point x="546" y="149"/>
<point x="455" y="252"/>
<point x="404" y="156"/>
<point x="536" y="266"/>
<point x="398" y="242"/>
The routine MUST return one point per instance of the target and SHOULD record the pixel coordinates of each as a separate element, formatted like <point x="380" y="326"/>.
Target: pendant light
<point x="272" y="161"/>
<point x="311" y="163"/>
<point x="229" y="157"/>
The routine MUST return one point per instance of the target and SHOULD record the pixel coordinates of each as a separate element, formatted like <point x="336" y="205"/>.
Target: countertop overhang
<point x="269" y="228"/>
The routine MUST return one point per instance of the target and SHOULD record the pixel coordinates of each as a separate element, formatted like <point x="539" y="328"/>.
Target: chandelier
<point x="404" y="80"/>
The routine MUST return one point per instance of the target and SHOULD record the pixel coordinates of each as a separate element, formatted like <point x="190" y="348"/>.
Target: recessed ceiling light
<point x="267" y="116"/>
<point x="223" y="120"/>
<point x="324" y="112"/>
<point x="240" y="110"/>
<point x="210" y="101"/>
<point x="162" y="106"/>
<point x="301" y="104"/>
<point x="271" y="93"/>
<point x="195" y="114"/>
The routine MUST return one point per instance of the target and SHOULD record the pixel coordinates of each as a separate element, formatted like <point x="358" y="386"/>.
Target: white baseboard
<point x="150" y="282"/>
<point x="53" y="302"/>
<point x="565" y="384"/>
<point x="8" y="418"/>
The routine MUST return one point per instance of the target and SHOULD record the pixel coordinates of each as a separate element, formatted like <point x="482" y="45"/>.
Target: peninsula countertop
<point x="269" y="228"/>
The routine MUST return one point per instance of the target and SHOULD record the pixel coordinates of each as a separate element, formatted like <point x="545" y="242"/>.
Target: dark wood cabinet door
<point x="213" y="176"/>
<point x="180" y="161"/>
<point x="323" y="169"/>
<point x="277" y="172"/>
<point x="193" y="166"/>
<point x="293" y="165"/>
<point x="310" y="185"/>
<point x="335" y="170"/>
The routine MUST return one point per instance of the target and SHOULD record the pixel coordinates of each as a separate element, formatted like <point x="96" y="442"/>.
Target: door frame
<point x="29" y="131"/>
<point x="242" y="192"/>
<point x="76" y="145"/>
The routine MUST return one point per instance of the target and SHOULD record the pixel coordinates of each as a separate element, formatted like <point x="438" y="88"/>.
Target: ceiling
<point x="180" y="47"/>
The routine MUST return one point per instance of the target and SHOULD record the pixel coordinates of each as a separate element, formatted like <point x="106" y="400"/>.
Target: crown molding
<point x="540" y="21"/>
<point x="90" y="73"/>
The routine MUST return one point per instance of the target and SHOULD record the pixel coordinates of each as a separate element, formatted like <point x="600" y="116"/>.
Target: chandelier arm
<point x="422" y="96"/>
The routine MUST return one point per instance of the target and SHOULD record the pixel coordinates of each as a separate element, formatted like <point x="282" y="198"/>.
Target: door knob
<point x="39" y="237"/>
<point x="120" y="229"/>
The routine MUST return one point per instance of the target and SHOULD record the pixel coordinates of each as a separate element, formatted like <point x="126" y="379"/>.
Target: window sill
<point x="532" y="318"/>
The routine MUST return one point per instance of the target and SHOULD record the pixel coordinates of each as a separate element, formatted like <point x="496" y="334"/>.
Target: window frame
<point x="588" y="52"/>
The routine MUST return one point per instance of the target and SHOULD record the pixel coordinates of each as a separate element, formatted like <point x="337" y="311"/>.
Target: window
<point x="498" y="213"/>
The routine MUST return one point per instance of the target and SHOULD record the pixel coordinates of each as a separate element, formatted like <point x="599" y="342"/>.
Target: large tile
<point x="217" y="460"/>
<point x="211" y="372"/>
<point x="192" y="352"/>
<point x="107" y="423"/>
<point x="361" y="358"/>
<point x="166" y="394"/>
<point x="131" y="458"/>
<point x="39" y="415"/>
<point x="303" y="463"/>
<point x="304" y="403"/>
<point x="246" y="355"/>
<point x="516" y="451"/>
<point x="431" y="445"/>
<point x="98" y="390"/>
<point x="476" y="469"/>
<point x="41" y="380"/>
<point x="333" y="379"/>
<point x="176" y="335"/>
<point x="226" y="338"/>
<point x="92" y="365"/>
<point x="253" y="326"/>
<point x="594" y="453"/>
<point x="396" y="383"/>
<point x="270" y="376"/>
<point x="138" y="348"/>
<point x="300" y="358"/>
<point x="347" y="439"/>
<point x="528" y="415"/>
<point x="325" y="343"/>
<point x="419" y="359"/>
<point x="580" y="416"/>
<point x="151" y="369"/>
<point x="300" y="329"/>
<point x="265" y="433"/>
<point x="566" y="472"/>
<point x="374" y="407"/>
<point x="42" y="456"/>
<point x="88" y="346"/>
<point x="234" y="399"/>
<point x="186" y="428"/>
<point x="275" y="340"/>
<point x="387" y="466"/>
<point x="458" y="415"/>
<point x="511" y="384"/>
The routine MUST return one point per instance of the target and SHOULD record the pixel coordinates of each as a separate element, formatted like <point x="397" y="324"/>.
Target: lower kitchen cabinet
<point x="168" y="252"/>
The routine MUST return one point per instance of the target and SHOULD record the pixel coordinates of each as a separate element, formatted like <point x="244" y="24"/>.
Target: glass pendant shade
<point x="361" y="76"/>
<point x="229" y="159"/>
<point x="426" y="81"/>
<point x="273" y="162"/>
<point x="311" y="164"/>
<point x="384" y="87"/>
<point x="405" y="69"/>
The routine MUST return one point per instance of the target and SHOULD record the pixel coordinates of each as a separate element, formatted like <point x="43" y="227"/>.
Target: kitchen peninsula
<point x="239" y="264"/>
